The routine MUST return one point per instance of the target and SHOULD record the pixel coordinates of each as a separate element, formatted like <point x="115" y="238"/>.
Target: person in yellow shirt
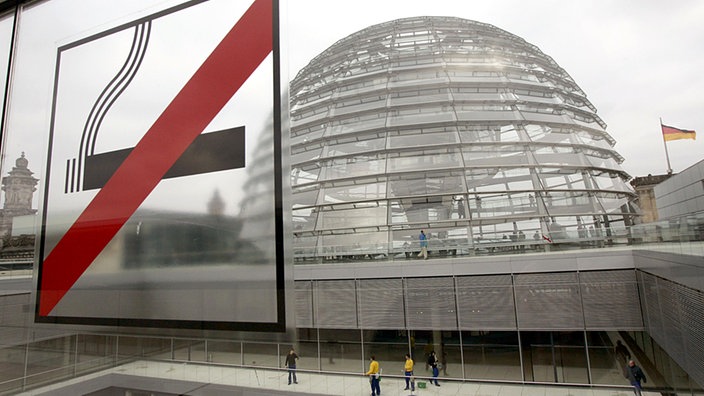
<point x="373" y="374"/>
<point x="408" y="372"/>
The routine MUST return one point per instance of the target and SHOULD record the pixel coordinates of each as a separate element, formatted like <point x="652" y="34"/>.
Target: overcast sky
<point x="637" y="60"/>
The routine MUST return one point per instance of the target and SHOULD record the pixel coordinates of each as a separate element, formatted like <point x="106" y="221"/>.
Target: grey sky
<point x="637" y="61"/>
<point x="173" y="55"/>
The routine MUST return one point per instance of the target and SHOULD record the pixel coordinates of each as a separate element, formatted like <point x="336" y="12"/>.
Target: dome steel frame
<point x="454" y="127"/>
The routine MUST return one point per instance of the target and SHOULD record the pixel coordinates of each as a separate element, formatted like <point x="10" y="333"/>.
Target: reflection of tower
<point x="19" y="188"/>
<point x="258" y="225"/>
<point x="216" y="205"/>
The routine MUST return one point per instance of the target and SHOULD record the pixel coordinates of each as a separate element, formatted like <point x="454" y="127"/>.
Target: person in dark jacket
<point x="433" y="363"/>
<point x="291" y="365"/>
<point x="635" y="376"/>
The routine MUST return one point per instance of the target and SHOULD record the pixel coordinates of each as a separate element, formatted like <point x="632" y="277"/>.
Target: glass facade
<point x="507" y="357"/>
<point x="444" y="125"/>
<point x="453" y="127"/>
<point x="124" y="89"/>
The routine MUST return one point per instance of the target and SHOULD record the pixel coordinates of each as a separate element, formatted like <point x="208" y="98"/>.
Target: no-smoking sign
<point x="155" y="213"/>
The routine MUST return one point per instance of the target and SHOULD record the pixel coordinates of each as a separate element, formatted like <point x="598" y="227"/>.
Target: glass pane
<point x="389" y="348"/>
<point x="353" y="218"/>
<point x="131" y="347"/>
<point x="410" y="139"/>
<point x="426" y="183"/>
<point x="493" y="179"/>
<point x="9" y="156"/>
<point x="405" y="120"/>
<point x="50" y="360"/>
<point x="12" y="362"/>
<point x="95" y="352"/>
<point x="495" y="157"/>
<point x="605" y="363"/>
<point x="450" y="355"/>
<point x="225" y="352"/>
<point x="307" y="350"/>
<point x="488" y="133"/>
<point x="304" y="219"/>
<point x="555" y="356"/>
<point x="425" y="160"/>
<point x="592" y="139"/>
<point x="97" y="90"/>
<point x="491" y="355"/>
<point x="305" y="197"/>
<point x="541" y="364"/>
<point x="305" y="175"/>
<point x="356" y="246"/>
<point x="353" y="167"/>
<point x="189" y="350"/>
<point x="305" y="246"/>
<point x="259" y="354"/>
<point x="6" y="25"/>
<point x="361" y="146"/>
<point x="352" y="193"/>
<point x="422" y="210"/>
<point x="344" y="351"/>
<point x="572" y="365"/>
<point x="307" y="153"/>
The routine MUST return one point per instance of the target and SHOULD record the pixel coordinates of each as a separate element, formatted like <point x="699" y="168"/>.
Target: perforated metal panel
<point x="335" y="304"/>
<point x="430" y="304"/>
<point x="651" y="306"/>
<point x="610" y="300"/>
<point x="304" y="304"/>
<point x="486" y="302"/>
<point x="675" y="319"/>
<point x="381" y="303"/>
<point x="548" y="301"/>
<point x="669" y="304"/>
<point x="692" y="311"/>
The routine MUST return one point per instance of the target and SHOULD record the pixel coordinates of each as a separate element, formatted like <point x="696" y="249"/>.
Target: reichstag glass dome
<point x="454" y="127"/>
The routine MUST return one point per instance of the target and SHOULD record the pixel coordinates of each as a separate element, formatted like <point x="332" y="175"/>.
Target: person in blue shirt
<point x="423" y="245"/>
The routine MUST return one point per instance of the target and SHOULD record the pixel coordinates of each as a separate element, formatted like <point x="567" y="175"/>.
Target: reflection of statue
<point x="17" y="194"/>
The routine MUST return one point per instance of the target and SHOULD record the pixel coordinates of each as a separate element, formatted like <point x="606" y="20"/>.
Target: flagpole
<point x="667" y="155"/>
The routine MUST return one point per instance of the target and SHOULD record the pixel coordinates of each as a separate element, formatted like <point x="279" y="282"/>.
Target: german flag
<point x="672" y="133"/>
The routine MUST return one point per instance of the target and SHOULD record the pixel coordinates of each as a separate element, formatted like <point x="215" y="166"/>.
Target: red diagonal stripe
<point x="201" y="99"/>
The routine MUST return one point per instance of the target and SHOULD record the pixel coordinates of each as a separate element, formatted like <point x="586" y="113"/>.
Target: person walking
<point x="408" y="373"/>
<point x="423" y="245"/>
<point x="635" y="376"/>
<point x="433" y="363"/>
<point x="291" y="365"/>
<point x="373" y="375"/>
